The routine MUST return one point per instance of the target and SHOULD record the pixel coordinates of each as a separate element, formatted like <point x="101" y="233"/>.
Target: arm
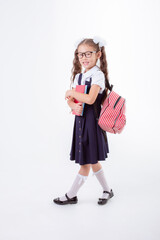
<point x="71" y="102"/>
<point x="87" y="98"/>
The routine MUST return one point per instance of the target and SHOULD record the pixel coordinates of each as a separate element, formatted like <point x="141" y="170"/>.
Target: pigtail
<point x="77" y="68"/>
<point x="104" y="69"/>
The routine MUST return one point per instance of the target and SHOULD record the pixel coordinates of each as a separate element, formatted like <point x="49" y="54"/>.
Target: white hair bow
<point x="96" y="40"/>
<point x="99" y="40"/>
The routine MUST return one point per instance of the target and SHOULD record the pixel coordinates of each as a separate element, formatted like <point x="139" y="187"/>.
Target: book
<point x="81" y="89"/>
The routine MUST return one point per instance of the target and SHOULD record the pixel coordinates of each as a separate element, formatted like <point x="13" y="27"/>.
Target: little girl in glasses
<point x="89" y="141"/>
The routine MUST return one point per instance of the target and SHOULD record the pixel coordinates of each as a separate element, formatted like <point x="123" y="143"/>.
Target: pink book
<point x="81" y="89"/>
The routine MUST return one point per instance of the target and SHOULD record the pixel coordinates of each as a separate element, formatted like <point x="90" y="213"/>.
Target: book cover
<point x="81" y="89"/>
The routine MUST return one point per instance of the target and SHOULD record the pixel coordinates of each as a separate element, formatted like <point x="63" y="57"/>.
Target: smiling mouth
<point x="85" y="63"/>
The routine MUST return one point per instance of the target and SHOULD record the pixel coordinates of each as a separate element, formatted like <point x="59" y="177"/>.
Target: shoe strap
<point x="107" y="191"/>
<point x="67" y="196"/>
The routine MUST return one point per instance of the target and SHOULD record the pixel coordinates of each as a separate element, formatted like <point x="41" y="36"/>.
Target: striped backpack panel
<point x="112" y="116"/>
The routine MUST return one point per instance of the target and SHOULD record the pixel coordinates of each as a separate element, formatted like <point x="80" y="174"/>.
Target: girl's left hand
<point x="68" y="94"/>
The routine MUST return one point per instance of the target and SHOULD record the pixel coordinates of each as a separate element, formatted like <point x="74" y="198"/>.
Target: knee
<point x="93" y="166"/>
<point x="96" y="166"/>
<point x="85" y="169"/>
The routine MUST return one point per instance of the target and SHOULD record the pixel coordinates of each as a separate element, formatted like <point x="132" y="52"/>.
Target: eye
<point x="88" y="54"/>
<point x="79" y="55"/>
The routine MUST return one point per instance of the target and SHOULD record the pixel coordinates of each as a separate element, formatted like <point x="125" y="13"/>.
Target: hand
<point x="69" y="93"/>
<point x="78" y="108"/>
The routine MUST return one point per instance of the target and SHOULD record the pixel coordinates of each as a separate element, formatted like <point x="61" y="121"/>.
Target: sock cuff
<point x="95" y="173"/>
<point x="82" y="178"/>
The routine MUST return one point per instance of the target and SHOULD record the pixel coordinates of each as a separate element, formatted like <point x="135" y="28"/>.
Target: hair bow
<point x="96" y="40"/>
<point x="99" y="40"/>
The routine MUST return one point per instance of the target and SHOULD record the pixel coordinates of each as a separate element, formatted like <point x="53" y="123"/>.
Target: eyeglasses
<point x="87" y="54"/>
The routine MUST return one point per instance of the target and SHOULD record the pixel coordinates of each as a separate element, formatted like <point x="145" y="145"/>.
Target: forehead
<point x="85" y="48"/>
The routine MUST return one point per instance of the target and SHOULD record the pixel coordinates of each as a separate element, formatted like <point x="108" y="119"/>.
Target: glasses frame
<point x="84" y="53"/>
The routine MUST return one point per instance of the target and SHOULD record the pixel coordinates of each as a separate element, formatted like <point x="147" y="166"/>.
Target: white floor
<point x="37" y="43"/>
<point x="28" y="188"/>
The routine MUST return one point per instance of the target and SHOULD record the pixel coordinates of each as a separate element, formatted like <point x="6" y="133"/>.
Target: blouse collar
<point x="91" y="71"/>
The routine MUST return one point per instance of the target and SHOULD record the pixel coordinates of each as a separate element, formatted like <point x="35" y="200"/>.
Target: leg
<point x="96" y="167"/>
<point x="84" y="170"/>
<point x="78" y="182"/>
<point x="99" y="173"/>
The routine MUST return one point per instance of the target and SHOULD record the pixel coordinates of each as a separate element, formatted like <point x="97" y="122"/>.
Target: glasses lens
<point x="79" y="55"/>
<point x="88" y="54"/>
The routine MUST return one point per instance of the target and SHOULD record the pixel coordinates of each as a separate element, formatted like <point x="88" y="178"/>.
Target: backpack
<point x="112" y="116"/>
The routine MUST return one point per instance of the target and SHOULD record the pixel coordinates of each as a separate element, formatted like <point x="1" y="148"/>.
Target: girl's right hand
<point x="78" y="108"/>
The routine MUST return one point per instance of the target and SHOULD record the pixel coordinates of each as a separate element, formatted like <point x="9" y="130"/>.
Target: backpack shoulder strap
<point x="111" y="87"/>
<point x="79" y="79"/>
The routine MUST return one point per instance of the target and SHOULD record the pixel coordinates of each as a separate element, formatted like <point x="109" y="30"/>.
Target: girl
<point x="89" y="141"/>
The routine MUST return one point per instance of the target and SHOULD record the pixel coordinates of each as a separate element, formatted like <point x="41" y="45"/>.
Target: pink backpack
<point x="112" y="116"/>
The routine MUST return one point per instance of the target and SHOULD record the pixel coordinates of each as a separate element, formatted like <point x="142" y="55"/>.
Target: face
<point x="90" y="62"/>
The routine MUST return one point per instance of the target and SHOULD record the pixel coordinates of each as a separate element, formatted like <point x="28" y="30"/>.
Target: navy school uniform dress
<point x="89" y="141"/>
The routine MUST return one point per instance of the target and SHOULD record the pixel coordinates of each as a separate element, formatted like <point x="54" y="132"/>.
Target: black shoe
<point x="103" y="201"/>
<point x="68" y="201"/>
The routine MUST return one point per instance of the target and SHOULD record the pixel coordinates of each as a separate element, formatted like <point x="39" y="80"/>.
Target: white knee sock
<point x="101" y="178"/>
<point x="78" y="182"/>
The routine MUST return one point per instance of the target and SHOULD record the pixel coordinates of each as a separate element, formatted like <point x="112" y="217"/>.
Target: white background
<point x="36" y="54"/>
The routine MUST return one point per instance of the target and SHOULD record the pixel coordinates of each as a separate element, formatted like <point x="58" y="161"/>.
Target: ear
<point x="99" y="54"/>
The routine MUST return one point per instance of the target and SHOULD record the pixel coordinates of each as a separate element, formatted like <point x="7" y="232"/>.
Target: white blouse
<point x="97" y="75"/>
